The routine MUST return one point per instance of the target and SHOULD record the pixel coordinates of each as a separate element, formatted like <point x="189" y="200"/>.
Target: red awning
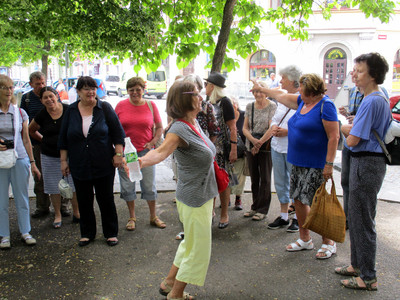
<point x="262" y="66"/>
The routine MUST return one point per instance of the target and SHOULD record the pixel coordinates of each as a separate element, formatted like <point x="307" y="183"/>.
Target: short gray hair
<point x="196" y="79"/>
<point x="36" y="75"/>
<point x="293" y="73"/>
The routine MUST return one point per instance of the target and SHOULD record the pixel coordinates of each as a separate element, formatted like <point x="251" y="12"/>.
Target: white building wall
<point x="348" y="30"/>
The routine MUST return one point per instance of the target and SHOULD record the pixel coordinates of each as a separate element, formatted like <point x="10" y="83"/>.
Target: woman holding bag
<point x="227" y="142"/>
<point x="313" y="135"/>
<point x="257" y="130"/>
<point x="91" y="141"/>
<point x="195" y="191"/>
<point x="14" y="135"/>
<point x="48" y="121"/>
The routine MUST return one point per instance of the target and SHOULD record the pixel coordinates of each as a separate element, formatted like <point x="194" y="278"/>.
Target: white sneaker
<point x="28" y="239"/>
<point x="5" y="243"/>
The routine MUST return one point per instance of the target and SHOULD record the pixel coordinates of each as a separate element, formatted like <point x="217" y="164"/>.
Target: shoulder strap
<point x="27" y="100"/>
<point x="322" y="106"/>
<point x="105" y="109"/>
<point x="194" y="129"/>
<point x="151" y="108"/>
<point x="383" y="146"/>
<point x="16" y="122"/>
<point x="252" y="116"/>
<point x="285" y="116"/>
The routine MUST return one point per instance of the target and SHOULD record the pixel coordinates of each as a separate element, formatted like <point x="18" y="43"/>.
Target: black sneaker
<point x="291" y="210"/>
<point x="294" y="227"/>
<point x="278" y="223"/>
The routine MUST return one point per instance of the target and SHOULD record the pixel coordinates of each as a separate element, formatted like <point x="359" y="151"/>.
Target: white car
<point x="112" y="84"/>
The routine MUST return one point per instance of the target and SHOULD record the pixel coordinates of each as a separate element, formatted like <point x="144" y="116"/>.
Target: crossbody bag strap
<point x="383" y="146"/>
<point x="151" y="109"/>
<point x="194" y="129"/>
<point x="252" y="116"/>
<point x="15" y="125"/>
<point x="284" y="117"/>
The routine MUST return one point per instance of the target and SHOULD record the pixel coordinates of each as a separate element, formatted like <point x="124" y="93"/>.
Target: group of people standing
<point x="293" y="131"/>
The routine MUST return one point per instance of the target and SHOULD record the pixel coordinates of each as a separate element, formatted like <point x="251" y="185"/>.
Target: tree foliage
<point x="148" y="31"/>
<point x="87" y="27"/>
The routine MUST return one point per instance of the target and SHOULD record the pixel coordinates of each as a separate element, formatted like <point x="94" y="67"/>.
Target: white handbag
<point x="8" y="158"/>
<point x="65" y="189"/>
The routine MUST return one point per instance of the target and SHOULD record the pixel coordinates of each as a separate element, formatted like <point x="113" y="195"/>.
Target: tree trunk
<point x="223" y="37"/>
<point x="45" y="58"/>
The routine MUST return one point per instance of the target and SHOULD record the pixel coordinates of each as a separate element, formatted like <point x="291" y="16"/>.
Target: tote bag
<point x="327" y="216"/>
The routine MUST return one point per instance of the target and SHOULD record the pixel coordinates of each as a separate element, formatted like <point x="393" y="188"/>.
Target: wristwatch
<point x="329" y="163"/>
<point x="118" y="154"/>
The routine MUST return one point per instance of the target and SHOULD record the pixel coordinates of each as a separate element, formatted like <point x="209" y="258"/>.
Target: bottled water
<point x="132" y="168"/>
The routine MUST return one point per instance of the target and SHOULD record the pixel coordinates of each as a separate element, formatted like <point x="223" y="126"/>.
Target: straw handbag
<point x="326" y="216"/>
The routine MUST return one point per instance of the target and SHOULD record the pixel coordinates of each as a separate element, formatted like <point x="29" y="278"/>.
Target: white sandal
<point x="5" y="243"/>
<point x="329" y="250"/>
<point x="300" y="245"/>
<point x="28" y="239"/>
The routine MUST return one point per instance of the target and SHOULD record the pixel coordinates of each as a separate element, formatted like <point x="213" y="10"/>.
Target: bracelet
<point x="32" y="161"/>
<point x="233" y="142"/>
<point x="329" y="163"/>
<point x="118" y="154"/>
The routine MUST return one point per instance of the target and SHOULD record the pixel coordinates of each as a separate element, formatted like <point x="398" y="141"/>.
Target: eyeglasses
<point x="193" y="93"/>
<point x="87" y="89"/>
<point x="205" y="83"/>
<point x="134" y="90"/>
<point x="5" y="88"/>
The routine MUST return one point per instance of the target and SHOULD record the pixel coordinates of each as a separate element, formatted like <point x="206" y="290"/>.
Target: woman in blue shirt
<point x="367" y="170"/>
<point x="313" y="135"/>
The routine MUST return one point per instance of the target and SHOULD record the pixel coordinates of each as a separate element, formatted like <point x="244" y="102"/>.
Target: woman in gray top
<point x="196" y="188"/>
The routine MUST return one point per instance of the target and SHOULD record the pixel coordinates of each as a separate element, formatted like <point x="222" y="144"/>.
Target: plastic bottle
<point x="131" y="157"/>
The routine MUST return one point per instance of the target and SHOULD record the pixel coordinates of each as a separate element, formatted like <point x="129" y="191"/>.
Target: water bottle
<point x="132" y="164"/>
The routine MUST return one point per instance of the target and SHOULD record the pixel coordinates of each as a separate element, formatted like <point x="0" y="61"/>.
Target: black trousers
<point x="104" y="188"/>
<point x="260" y="167"/>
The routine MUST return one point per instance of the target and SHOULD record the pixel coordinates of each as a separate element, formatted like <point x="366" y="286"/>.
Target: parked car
<point x="18" y="83"/>
<point x="156" y="82"/>
<point x="112" y="83"/>
<point x="101" y="90"/>
<point x="395" y="106"/>
<point x="22" y="90"/>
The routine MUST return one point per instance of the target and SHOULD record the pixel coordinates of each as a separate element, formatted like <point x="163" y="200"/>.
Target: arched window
<point x="262" y="64"/>
<point x="396" y="72"/>
<point x="335" y="70"/>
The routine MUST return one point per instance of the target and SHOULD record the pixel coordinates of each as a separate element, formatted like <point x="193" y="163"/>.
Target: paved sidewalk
<point x="248" y="260"/>
<point x="165" y="183"/>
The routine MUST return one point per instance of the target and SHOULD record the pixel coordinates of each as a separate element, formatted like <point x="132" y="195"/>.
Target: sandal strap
<point x="5" y="240"/>
<point x="27" y="236"/>
<point x="132" y="219"/>
<point x="369" y="283"/>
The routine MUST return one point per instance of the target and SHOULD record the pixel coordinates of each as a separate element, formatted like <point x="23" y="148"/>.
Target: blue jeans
<point x="18" y="176"/>
<point x="282" y="169"/>
<point x="147" y="184"/>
